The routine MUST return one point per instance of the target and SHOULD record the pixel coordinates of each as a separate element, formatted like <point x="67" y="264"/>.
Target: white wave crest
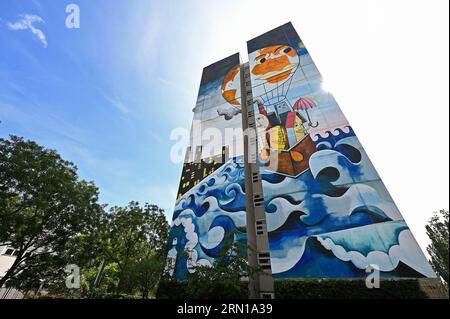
<point x="209" y="238"/>
<point x="285" y="258"/>
<point x="407" y="251"/>
<point x="332" y="158"/>
<point x="286" y="186"/>
<point x="192" y="241"/>
<point x="358" y="195"/>
<point x="326" y="133"/>
<point x="283" y="208"/>
<point x="213" y="237"/>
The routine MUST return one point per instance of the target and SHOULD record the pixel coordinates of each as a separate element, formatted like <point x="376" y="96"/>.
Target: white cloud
<point x="156" y="137"/>
<point x="116" y="102"/>
<point x="174" y="85"/>
<point x="27" y="22"/>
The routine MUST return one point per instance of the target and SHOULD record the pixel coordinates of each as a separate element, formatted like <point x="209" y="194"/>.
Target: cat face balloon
<point x="275" y="64"/>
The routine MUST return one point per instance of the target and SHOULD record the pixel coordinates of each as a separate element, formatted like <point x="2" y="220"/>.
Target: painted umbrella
<point x="305" y="103"/>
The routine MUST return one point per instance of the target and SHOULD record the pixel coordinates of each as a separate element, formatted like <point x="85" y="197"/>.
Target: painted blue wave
<point x="229" y="227"/>
<point x="227" y="185"/>
<point x="314" y="260"/>
<point x="340" y="193"/>
<point x="332" y="138"/>
<point x="215" y="210"/>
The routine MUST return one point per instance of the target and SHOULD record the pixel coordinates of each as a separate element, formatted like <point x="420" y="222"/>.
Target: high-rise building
<point x="299" y="188"/>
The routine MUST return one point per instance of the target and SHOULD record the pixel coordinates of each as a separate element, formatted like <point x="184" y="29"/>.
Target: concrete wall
<point x="5" y="261"/>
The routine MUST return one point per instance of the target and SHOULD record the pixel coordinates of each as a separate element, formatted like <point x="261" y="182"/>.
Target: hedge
<point x="317" y="289"/>
<point x="346" y="289"/>
<point x="171" y="290"/>
<point x="178" y="290"/>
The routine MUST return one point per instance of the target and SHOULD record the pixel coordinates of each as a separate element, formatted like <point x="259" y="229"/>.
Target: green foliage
<point x="134" y="238"/>
<point x="43" y="207"/>
<point x="145" y="272"/>
<point x="108" y="285"/>
<point x="314" y="289"/>
<point x="437" y="230"/>
<point x="131" y="228"/>
<point x="52" y="218"/>
<point x="224" y="279"/>
<point x="208" y="283"/>
<point x="172" y="289"/>
<point x="132" y="241"/>
<point x="346" y="289"/>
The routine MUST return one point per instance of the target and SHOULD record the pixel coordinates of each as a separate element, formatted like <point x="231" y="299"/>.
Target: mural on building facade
<point x="210" y="207"/>
<point x="328" y="213"/>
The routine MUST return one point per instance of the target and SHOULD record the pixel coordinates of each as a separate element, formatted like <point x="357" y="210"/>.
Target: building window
<point x="255" y="177"/>
<point x="9" y="252"/>
<point x="260" y="227"/>
<point x="258" y="200"/>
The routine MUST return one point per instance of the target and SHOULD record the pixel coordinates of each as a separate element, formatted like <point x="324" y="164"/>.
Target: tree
<point x="437" y="230"/>
<point x="224" y="279"/>
<point x="108" y="285"/>
<point x="134" y="239"/>
<point x="52" y="218"/>
<point x="145" y="272"/>
<point x="43" y="207"/>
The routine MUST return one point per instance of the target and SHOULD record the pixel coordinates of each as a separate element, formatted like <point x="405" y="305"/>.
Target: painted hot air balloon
<point x="287" y="144"/>
<point x="231" y="86"/>
<point x="274" y="67"/>
<point x="231" y="91"/>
